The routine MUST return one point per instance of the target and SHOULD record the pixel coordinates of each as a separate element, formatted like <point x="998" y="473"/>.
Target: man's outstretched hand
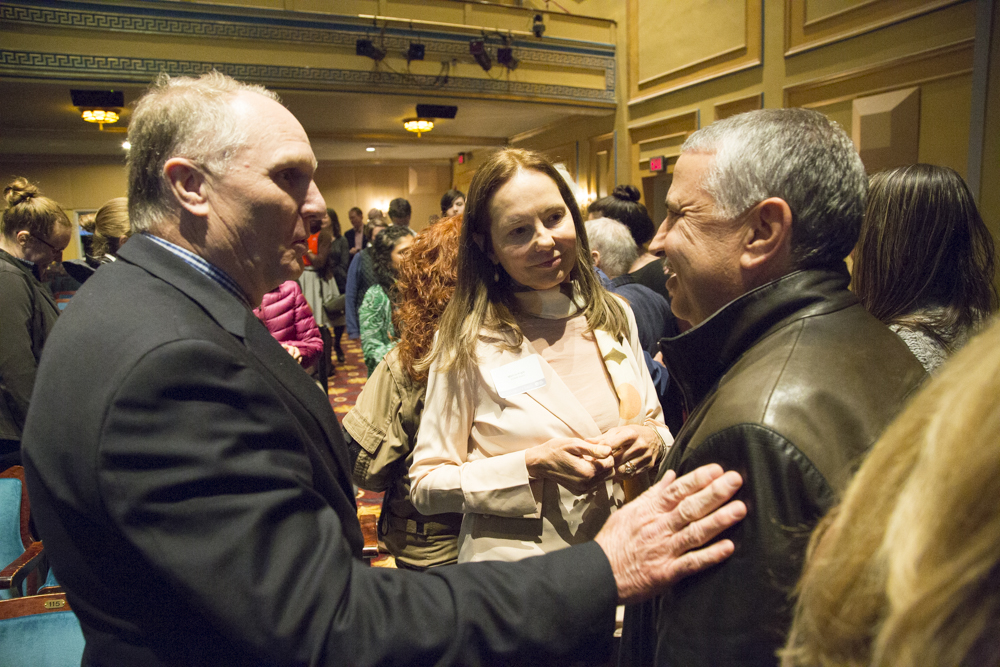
<point x="657" y="539"/>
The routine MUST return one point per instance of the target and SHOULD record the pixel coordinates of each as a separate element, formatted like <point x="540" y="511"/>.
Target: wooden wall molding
<point x="802" y="34"/>
<point x="737" y="58"/>
<point x="738" y="106"/>
<point x="912" y="70"/>
<point x="673" y="130"/>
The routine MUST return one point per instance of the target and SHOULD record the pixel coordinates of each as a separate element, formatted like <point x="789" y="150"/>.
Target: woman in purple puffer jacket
<point x="286" y="315"/>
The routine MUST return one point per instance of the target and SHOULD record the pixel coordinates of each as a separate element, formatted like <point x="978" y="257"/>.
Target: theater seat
<point x="40" y="631"/>
<point x="20" y="553"/>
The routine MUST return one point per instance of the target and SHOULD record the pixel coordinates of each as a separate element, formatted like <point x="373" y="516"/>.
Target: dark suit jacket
<point x="192" y="486"/>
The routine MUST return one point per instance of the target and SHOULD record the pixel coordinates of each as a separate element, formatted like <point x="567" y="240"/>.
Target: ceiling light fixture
<point x="418" y="125"/>
<point x="477" y="48"/>
<point x="100" y="116"/>
<point x="370" y="149"/>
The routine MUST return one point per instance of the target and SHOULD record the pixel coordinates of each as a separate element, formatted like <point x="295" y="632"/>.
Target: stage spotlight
<point x="364" y="47"/>
<point x="415" y="52"/>
<point x="478" y="50"/>
<point x="505" y="56"/>
<point x="538" y="26"/>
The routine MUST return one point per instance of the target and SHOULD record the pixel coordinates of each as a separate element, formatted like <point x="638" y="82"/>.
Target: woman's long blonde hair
<point x="906" y="571"/>
<point x="481" y="303"/>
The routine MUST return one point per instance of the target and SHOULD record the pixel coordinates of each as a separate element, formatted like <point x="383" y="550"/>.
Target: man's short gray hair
<point x="800" y="156"/>
<point x="181" y="117"/>
<point x="615" y="243"/>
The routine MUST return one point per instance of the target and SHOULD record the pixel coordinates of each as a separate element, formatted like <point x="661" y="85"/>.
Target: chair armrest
<point x="370" y="532"/>
<point x="12" y="576"/>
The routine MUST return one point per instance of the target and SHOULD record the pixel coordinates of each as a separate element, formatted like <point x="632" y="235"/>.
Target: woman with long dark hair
<point x="537" y="394"/>
<point x="924" y="263"/>
<point x="375" y="314"/>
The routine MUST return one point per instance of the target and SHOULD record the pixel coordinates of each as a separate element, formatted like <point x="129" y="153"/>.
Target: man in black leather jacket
<point x="785" y="376"/>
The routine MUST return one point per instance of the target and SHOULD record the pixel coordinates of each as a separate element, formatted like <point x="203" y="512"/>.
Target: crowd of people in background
<point x="534" y="366"/>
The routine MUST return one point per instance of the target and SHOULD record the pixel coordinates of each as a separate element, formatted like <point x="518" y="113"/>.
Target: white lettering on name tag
<point x="518" y="377"/>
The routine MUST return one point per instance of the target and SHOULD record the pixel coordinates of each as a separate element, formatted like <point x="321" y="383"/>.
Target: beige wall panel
<point x="74" y="186"/>
<point x="813" y="23"/>
<point x="945" y="107"/>
<point x="566" y="154"/>
<point x="709" y="44"/>
<point x="951" y="25"/>
<point x="674" y="129"/>
<point x="374" y="186"/>
<point x="665" y="30"/>
<point x="919" y="68"/>
<point x="839" y="112"/>
<point x="556" y="24"/>
<point x="738" y="106"/>
<point x="444" y="12"/>
<point x="667" y="146"/>
<point x="343" y="7"/>
<point x="886" y="129"/>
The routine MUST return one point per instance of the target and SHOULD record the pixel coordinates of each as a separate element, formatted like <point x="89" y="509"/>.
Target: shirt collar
<point x="200" y="264"/>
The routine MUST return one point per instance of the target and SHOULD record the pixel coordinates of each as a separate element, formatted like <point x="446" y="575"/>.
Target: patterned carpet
<point x="344" y="388"/>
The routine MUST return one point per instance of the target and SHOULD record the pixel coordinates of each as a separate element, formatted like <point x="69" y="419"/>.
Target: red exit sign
<point x="656" y="164"/>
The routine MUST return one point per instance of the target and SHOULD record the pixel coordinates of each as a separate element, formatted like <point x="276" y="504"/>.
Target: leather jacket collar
<point x="699" y="357"/>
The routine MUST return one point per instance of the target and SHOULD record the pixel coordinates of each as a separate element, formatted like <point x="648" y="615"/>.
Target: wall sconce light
<point x="477" y="48"/>
<point x="364" y="47"/>
<point x="418" y="125"/>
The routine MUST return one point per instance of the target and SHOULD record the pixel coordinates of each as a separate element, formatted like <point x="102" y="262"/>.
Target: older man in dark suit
<point x="191" y="483"/>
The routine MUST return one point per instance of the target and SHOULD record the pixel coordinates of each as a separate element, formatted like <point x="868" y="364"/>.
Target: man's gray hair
<point x="181" y="117"/>
<point x="615" y="243"/>
<point x="800" y="156"/>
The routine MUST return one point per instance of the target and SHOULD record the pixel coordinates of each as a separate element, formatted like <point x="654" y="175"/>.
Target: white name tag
<point x="518" y="377"/>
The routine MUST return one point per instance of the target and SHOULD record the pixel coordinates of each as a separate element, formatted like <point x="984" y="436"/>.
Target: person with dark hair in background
<point x="355" y="236"/>
<point x="360" y="276"/>
<point x="34" y="231"/>
<point x="785" y="375"/>
<point x="375" y="312"/>
<point x="452" y="203"/>
<point x="624" y="206"/>
<point x="400" y="212"/>
<point x="192" y="485"/>
<point x="384" y="421"/>
<point x="337" y="264"/>
<point x="924" y="263"/>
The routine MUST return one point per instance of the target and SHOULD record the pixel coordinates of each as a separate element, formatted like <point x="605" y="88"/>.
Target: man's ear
<point x="188" y="184"/>
<point x="597" y="257"/>
<point x="769" y="238"/>
<point x="22" y="237"/>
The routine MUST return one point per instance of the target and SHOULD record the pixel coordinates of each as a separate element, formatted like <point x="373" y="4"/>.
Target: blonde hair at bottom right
<point x="906" y="571"/>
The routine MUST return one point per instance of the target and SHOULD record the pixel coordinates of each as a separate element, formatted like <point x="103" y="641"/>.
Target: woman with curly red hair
<point x="383" y="423"/>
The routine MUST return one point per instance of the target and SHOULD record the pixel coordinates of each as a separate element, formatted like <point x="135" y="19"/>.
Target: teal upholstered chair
<point x="20" y="553"/>
<point x="40" y="631"/>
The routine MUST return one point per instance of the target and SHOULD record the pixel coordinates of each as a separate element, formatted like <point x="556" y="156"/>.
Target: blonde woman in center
<point x="538" y="401"/>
